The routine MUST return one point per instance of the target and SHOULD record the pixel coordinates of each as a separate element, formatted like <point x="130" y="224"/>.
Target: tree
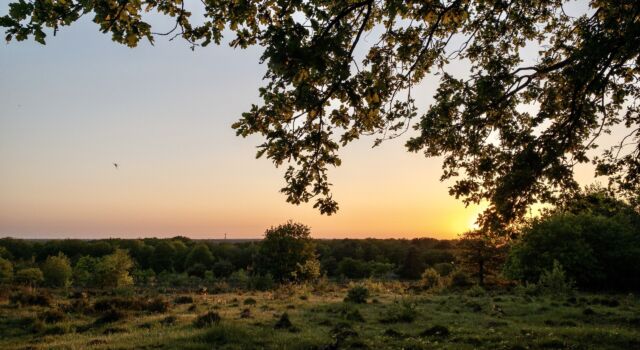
<point x="57" y="271"/>
<point x="353" y="268"/>
<point x="31" y="276"/>
<point x="113" y="270"/>
<point x="319" y="95"/>
<point x="596" y="251"/>
<point x="199" y="255"/>
<point x="6" y="270"/>
<point x="223" y="268"/>
<point x="482" y="253"/>
<point x="163" y="257"/>
<point x="287" y="253"/>
<point x="84" y="272"/>
<point x="412" y="266"/>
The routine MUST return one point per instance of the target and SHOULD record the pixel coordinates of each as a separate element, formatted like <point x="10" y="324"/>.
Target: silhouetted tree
<point x="285" y="253"/>
<point x="413" y="265"/>
<point x="482" y="253"/>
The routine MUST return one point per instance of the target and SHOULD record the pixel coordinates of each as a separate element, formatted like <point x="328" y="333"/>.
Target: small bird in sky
<point x="115" y="165"/>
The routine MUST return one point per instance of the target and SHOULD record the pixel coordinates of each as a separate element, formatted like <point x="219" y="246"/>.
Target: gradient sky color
<point x="75" y="106"/>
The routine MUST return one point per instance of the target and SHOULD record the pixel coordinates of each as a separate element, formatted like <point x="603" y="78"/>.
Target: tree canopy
<point x="510" y="131"/>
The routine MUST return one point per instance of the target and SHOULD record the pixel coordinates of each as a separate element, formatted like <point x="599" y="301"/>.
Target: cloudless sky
<point x="163" y="113"/>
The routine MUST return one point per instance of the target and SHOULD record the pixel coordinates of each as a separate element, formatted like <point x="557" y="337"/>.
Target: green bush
<point x="157" y="305"/>
<point x="288" y="253"/>
<point x="555" y="282"/>
<point x="6" y="270"/>
<point x="223" y="334"/>
<point x="595" y="240"/>
<point x="357" y="295"/>
<point x="444" y="269"/>
<point x="57" y="271"/>
<point x="459" y="279"/>
<point x="261" y="282"/>
<point x="31" y="276"/>
<point x="52" y="316"/>
<point x="430" y="279"/>
<point x="404" y="312"/>
<point x="28" y="297"/>
<point x="110" y="316"/>
<point x="183" y="299"/>
<point x="476" y="291"/>
<point x="208" y="319"/>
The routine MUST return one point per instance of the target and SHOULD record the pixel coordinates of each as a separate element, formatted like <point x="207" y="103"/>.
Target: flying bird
<point x="115" y="165"/>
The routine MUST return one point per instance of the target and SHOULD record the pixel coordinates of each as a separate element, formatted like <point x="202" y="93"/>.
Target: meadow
<point x="377" y="315"/>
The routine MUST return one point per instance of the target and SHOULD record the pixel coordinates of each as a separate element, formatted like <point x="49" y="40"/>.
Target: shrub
<point x="157" y="305"/>
<point x="249" y="301"/>
<point x="597" y="249"/>
<point x="436" y="331"/>
<point x="430" y="279"/>
<point x="6" y="270"/>
<point x="183" y="299"/>
<point x="353" y="268"/>
<point x="357" y="295"/>
<point x="403" y="312"/>
<point x="555" y="282"/>
<point x="476" y="291"/>
<point x="169" y="320"/>
<point x="284" y="322"/>
<point x="198" y="270"/>
<point x="31" y="276"/>
<point x="110" y="316"/>
<point x="58" y="330"/>
<point x="460" y="279"/>
<point x="26" y="297"/>
<point x="199" y="255"/>
<point x="526" y="289"/>
<point x="444" y="269"/>
<point x="222" y="269"/>
<point x="239" y="279"/>
<point x="261" y="282"/>
<point x="52" y="316"/>
<point x="113" y="270"/>
<point x="208" y="319"/>
<point x="57" y="271"/>
<point x="354" y="315"/>
<point x="119" y="303"/>
<point x="288" y="253"/>
<point x="223" y="334"/>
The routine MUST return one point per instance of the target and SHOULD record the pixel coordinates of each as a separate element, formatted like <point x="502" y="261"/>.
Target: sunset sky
<point x="72" y="108"/>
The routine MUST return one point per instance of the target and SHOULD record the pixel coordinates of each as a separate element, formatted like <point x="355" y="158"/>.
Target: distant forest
<point x="351" y="258"/>
<point x="591" y="242"/>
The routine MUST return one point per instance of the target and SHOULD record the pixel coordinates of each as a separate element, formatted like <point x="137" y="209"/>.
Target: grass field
<point x="320" y="319"/>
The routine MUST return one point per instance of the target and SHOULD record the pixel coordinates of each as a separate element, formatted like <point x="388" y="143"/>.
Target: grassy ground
<point x="391" y="319"/>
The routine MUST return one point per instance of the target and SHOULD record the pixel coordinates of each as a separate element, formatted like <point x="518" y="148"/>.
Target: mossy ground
<point x="391" y="319"/>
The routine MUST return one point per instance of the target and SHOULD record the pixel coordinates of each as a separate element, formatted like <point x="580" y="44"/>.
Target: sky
<point x="74" y="107"/>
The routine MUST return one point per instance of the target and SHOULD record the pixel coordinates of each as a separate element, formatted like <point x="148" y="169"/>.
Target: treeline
<point x="183" y="261"/>
<point x="591" y="241"/>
